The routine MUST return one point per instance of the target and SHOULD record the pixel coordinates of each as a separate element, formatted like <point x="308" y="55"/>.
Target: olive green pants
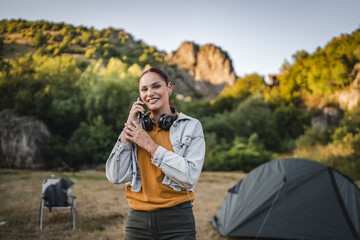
<point x="175" y="223"/>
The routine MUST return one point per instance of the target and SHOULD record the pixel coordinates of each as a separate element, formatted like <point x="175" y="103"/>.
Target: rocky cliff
<point x="349" y="97"/>
<point x="204" y="69"/>
<point x="21" y="139"/>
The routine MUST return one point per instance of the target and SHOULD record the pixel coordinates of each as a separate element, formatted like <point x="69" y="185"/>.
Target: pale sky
<point x="258" y="35"/>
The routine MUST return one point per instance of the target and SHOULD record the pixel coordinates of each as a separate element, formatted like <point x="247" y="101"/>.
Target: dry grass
<point x="101" y="206"/>
<point x="17" y="49"/>
<point x="339" y="156"/>
<point x="320" y="152"/>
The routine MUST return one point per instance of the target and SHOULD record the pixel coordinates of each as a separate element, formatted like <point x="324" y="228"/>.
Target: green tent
<point x="291" y="199"/>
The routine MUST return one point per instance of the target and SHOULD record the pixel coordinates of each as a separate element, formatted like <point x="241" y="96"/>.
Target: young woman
<point x="159" y="155"/>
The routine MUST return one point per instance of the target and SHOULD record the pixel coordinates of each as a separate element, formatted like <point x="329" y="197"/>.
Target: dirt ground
<point x="101" y="206"/>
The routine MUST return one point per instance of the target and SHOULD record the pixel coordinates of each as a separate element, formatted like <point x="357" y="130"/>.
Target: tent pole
<point x="268" y="212"/>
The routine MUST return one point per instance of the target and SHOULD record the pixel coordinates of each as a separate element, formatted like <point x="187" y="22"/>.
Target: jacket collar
<point x="182" y="116"/>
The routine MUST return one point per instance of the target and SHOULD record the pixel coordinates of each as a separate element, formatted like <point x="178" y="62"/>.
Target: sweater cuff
<point x="158" y="156"/>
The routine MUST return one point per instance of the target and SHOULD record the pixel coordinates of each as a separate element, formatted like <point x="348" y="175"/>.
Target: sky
<point x="258" y="35"/>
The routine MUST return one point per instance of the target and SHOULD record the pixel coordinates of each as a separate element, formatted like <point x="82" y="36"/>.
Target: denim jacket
<point x="182" y="167"/>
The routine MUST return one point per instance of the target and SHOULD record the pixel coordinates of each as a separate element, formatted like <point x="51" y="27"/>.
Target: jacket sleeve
<point x="183" y="167"/>
<point x="119" y="163"/>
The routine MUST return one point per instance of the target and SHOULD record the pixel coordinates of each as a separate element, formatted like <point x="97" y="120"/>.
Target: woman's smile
<point x="153" y="100"/>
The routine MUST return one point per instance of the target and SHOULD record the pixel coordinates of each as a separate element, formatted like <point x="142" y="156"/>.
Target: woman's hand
<point x="133" y="114"/>
<point x="135" y="109"/>
<point x="135" y="133"/>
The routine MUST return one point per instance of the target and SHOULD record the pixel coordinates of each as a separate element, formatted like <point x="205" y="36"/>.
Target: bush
<point x="213" y="147"/>
<point x="220" y="126"/>
<point x="56" y="51"/>
<point x="312" y="136"/>
<point x="244" y="155"/>
<point x="348" y="164"/>
<point x="289" y="121"/>
<point x="90" y="53"/>
<point x="254" y="116"/>
<point x="223" y="103"/>
<point x="39" y="39"/>
<point x="98" y="139"/>
<point x="54" y="152"/>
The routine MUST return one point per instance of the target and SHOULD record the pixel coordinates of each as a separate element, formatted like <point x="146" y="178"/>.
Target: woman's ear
<point x="170" y="88"/>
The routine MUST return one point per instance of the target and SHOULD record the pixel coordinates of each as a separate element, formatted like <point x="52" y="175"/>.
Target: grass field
<point x="101" y="206"/>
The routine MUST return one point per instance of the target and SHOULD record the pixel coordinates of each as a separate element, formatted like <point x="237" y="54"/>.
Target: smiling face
<point x="155" y="93"/>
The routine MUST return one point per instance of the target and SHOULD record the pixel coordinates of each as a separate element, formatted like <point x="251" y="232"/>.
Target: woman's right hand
<point x="134" y="114"/>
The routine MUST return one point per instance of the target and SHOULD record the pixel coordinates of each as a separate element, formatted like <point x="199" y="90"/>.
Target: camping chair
<point x="45" y="204"/>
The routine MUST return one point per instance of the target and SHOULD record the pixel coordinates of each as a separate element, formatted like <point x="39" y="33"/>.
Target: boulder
<point x="21" y="139"/>
<point x="329" y="116"/>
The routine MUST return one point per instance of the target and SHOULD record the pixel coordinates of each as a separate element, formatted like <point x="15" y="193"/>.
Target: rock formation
<point x="355" y="76"/>
<point x="349" y="97"/>
<point x="206" y="69"/>
<point x="329" y="116"/>
<point x="20" y="140"/>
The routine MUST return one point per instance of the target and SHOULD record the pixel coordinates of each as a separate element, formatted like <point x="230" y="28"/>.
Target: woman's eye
<point x="143" y="90"/>
<point x="156" y="86"/>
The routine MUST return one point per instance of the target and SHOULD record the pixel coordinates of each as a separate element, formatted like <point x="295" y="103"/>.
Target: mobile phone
<point x="140" y="115"/>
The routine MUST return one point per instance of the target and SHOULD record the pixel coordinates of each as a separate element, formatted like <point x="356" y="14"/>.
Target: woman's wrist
<point x="153" y="149"/>
<point x="123" y="139"/>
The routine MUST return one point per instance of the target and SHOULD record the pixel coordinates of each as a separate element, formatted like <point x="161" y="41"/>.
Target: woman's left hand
<point x="139" y="136"/>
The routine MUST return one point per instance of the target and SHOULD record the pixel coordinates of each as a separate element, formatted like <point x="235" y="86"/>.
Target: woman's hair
<point x="158" y="71"/>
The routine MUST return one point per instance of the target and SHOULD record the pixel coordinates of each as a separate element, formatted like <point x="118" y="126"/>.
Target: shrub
<point x="98" y="139"/>
<point x="90" y="53"/>
<point x="56" y="51"/>
<point x="254" y="116"/>
<point x="244" y="155"/>
<point x="312" y="136"/>
<point x="289" y="121"/>
<point x="39" y="39"/>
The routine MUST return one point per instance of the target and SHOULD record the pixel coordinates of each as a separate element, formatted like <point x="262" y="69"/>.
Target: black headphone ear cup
<point x="146" y="122"/>
<point x="161" y="121"/>
<point x="165" y="121"/>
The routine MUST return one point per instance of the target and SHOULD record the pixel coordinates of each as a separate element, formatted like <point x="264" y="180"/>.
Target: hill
<point x="319" y="78"/>
<point x="19" y="37"/>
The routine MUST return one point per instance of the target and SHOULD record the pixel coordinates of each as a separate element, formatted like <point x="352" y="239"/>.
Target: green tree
<point x="90" y="143"/>
<point x="254" y="116"/>
<point x="39" y="39"/>
<point x="289" y="121"/>
<point x="245" y="155"/>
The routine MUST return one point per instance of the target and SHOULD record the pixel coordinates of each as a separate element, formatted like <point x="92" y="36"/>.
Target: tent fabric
<point x="291" y="199"/>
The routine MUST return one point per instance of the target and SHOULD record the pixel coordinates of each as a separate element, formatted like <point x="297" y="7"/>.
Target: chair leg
<point x="41" y="215"/>
<point x="74" y="219"/>
<point x="74" y="212"/>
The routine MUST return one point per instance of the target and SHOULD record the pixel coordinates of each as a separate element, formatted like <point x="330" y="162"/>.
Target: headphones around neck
<point x="165" y="120"/>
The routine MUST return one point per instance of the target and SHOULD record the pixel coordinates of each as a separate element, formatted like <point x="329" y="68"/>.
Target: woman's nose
<point x="150" y="92"/>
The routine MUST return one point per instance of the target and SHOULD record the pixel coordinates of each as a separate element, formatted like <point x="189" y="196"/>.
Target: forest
<point x="81" y="82"/>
